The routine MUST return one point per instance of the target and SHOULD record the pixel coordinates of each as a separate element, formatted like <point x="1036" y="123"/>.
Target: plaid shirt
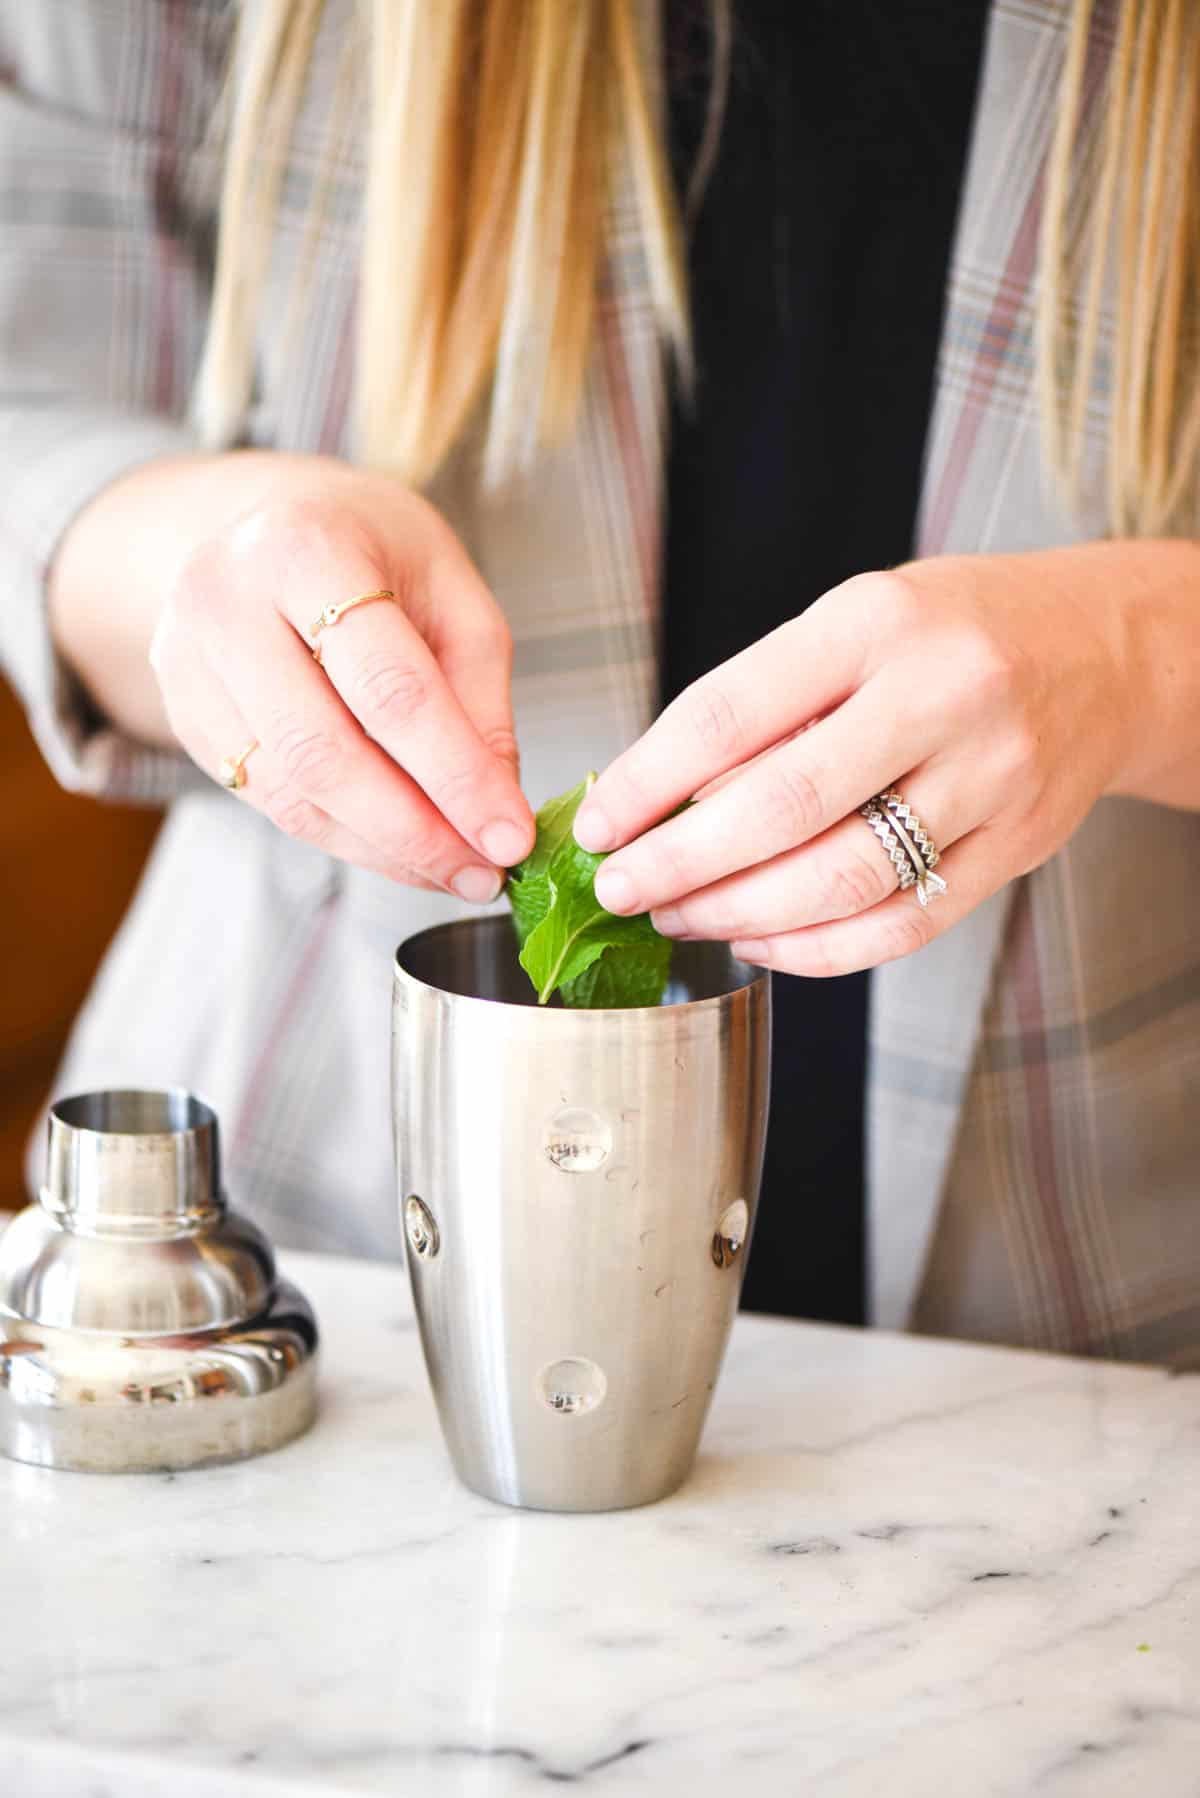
<point x="1033" y="1157"/>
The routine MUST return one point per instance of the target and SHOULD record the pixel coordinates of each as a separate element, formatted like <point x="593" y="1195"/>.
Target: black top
<point x="818" y="265"/>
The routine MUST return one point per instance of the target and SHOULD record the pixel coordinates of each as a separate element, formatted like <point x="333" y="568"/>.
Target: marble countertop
<point x="901" y="1566"/>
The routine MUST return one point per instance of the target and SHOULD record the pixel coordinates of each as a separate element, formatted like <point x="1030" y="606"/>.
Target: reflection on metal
<point x="573" y="1385"/>
<point x="730" y="1234"/>
<point x="577" y="1140"/>
<point x="420" y="1228"/>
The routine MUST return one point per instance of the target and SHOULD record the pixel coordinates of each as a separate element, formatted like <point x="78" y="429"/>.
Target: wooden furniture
<point x="68" y="867"/>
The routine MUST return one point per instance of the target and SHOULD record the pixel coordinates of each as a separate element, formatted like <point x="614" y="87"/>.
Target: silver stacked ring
<point x="911" y="850"/>
<point x="930" y="853"/>
<point x="881" y="824"/>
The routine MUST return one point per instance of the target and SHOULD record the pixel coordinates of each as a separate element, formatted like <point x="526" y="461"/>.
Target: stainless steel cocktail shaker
<point x="142" y="1326"/>
<point x="577" y="1190"/>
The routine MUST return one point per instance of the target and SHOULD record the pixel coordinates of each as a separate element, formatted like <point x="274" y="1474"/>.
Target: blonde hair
<point x="1122" y="217"/>
<point x="480" y="271"/>
<point x="494" y="130"/>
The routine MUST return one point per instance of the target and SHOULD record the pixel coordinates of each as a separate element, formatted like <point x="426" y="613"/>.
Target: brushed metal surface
<point x="581" y="1170"/>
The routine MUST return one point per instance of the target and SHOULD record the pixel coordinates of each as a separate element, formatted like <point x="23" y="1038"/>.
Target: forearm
<point x="116" y="564"/>
<point x="1156" y="587"/>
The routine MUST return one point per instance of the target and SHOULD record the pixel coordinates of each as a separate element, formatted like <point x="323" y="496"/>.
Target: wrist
<point x="1156" y="589"/>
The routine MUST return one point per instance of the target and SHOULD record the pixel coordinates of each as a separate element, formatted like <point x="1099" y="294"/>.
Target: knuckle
<point x="794" y="801"/>
<point x="490" y="635"/>
<point x="288" y="536"/>
<point x="853" y="886"/>
<point x="1023" y="749"/>
<point x="416" y="840"/>
<point x="992" y="669"/>
<point x="392" y="691"/>
<point x="714" y="719"/>
<point x="684" y="875"/>
<point x="905" y="933"/>
<point x="296" y="529"/>
<point x="454" y="784"/>
<point x="198" y="587"/>
<point x="294" y="815"/>
<point x="820" y="961"/>
<point x="713" y="920"/>
<point x="308" y="757"/>
<point x="501" y="739"/>
<point x="626" y="795"/>
<point x="890" y="600"/>
<point x="418" y="853"/>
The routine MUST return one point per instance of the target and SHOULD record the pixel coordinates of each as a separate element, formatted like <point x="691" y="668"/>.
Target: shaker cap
<point x="142" y="1326"/>
<point x="132" y="1162"/>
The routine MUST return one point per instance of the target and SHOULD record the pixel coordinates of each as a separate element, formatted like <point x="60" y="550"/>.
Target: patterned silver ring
<point x="881" y="825"/>
<point x="903" y="833"/>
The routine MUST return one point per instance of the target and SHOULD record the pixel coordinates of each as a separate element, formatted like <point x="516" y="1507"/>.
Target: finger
<point x="389" y="678"/>
<point x="316" y="768"/>
<point x="900" y="926"/>
<point x="837" y="875"/>
<point x="212" y="729"/>
<point x="475" y="656"/>
<point x="807" y="666"/>
<point x="784" y="799"/>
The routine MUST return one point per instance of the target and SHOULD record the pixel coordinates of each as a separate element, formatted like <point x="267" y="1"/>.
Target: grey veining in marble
<point x="902" y="1567"/>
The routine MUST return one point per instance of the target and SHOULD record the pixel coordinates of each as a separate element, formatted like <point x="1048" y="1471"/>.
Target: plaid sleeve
<point x="107" y="196"/>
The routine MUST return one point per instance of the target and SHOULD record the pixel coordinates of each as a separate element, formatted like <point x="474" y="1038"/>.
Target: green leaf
<point x="568" y="941"/>
<point x="530" y="901"/>
<point x="555" y="824"/>
<point x="626" y="974"/>
<point x="528" y="883"/>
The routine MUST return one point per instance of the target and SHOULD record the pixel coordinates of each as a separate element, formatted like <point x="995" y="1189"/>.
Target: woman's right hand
<point x="398" y="754"/>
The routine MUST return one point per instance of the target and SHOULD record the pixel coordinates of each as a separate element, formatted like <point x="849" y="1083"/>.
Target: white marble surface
<point x="901" y="1567"/>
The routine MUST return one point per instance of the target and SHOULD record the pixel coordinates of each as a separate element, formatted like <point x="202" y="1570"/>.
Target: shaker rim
<point x="758" y="979"/>
<point x="128" y="1111"/>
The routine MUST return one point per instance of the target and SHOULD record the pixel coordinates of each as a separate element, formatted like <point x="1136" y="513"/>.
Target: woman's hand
<point x="398" y="753"/>
<point x="1002" y="695"/>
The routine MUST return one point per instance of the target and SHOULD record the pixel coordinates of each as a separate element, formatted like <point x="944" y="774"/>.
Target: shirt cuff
<point x="53" y="461"/>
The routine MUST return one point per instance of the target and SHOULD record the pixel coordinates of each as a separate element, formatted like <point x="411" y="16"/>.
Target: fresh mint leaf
<point x="530" y="901"/>
<point x="528" y="883"/>
<point x="555" y="827"/>
<point x="626" y="974"/>
<point x="568" y="941"/>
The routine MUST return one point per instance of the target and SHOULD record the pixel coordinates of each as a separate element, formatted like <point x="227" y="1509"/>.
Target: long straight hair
<point x="1118" y="299"/>
<point x="494" y="131"/>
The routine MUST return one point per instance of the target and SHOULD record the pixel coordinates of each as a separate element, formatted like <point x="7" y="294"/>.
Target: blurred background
<point x="70" y="867"/>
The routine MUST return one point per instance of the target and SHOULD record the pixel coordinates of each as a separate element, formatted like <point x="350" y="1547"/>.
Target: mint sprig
<point x="569" y="943"/>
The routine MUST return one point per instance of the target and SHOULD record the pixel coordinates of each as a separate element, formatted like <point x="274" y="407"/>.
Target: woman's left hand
<point x="999" y="695"/>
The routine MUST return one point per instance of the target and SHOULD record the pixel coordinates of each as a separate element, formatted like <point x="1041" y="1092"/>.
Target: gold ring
<point x="331" y="614"/>
<point x="232" y="772"/>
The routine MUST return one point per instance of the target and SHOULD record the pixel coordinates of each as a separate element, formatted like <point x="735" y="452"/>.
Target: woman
<point x="479" y="292"/>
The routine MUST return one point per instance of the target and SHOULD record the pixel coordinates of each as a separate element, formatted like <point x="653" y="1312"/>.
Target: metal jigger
<point x="142" y="1327"/>
<point x="577" y="1190"/>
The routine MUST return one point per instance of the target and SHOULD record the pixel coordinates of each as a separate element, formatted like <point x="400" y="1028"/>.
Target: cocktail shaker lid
<point x="142" y="1325"/>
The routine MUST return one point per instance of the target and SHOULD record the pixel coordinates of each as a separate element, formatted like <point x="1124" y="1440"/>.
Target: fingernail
<point x="615" y="891"/>
<point x="753" y="950"/>
<point x="505" y="843"/>
<point x="593" y="830"/>
<point x="478" y="886"/>
<point x="667" y="922"/>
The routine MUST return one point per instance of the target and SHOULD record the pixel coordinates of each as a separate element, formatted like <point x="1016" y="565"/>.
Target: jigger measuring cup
<point x="577" y="1191"/>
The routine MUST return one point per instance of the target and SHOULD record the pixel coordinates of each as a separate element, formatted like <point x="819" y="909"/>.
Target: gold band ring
<point x="232" y="771"/>
<point x="331" y="614"/>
